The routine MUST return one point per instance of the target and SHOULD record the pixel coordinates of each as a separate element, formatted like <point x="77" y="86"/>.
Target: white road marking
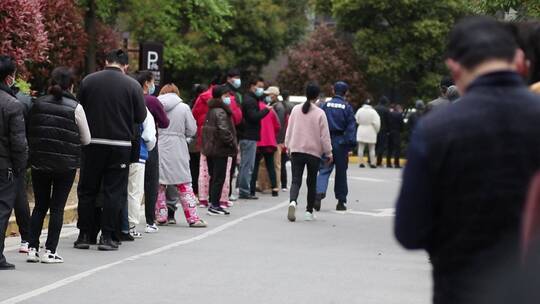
<point x="82" y="275"/>
<point x="387" y="212"/>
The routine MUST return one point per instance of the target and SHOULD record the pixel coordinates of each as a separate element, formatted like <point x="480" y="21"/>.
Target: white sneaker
<point x="151" y="228"/>
<point x="134" y="233"/>
<point x="309" y="216"/>
<point x="291" y="216"/>
<point x="33" y="256"/>
<point x="233" y="197"/>
<point x="284" y="189"/>
<point x="24" y="247"/>
<point x="51" y="258"/>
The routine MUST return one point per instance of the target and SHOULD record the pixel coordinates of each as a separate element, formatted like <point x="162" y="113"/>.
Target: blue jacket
<point x="341" y="122"/>
<point x="143" y="154"/>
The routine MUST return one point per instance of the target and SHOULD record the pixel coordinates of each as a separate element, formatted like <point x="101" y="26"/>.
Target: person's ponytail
<point x="62" y="78"/>
<point x="56" y="91"/>
<point x="306" y="106"/>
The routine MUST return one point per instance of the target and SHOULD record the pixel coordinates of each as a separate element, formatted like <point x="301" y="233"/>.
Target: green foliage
<point x="400" y="42"/>
<point x="23" y="85"/>
<point x="204" y="36"/>
<point x="524" y="8"/>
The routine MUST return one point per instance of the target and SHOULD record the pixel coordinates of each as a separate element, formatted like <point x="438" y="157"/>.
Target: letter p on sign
<point x="152" y="59"/>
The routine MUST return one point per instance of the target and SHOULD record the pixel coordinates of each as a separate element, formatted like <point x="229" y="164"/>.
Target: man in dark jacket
<point x="465" y="214"/>
<point x="342" y="125"/>
<point x="395" y="126"/>
<point x="250" y="133"/>
<point x="113" y="103"/>
<point x="382" y="137"/>
<point x="13" y="148"/>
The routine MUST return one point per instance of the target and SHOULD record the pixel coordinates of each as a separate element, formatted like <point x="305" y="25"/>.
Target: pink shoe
<point x="203" y="204"/>
<point x="226" y="205"/>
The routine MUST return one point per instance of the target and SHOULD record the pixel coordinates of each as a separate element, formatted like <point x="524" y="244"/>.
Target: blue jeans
<point x="248" y="151"/>
<point x="341" y="162"/>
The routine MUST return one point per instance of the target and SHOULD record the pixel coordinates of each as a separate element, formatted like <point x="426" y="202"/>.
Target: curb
<point x="70" y="216"/>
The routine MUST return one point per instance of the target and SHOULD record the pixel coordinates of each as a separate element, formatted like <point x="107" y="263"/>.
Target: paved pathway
<point x="253" y="256"/>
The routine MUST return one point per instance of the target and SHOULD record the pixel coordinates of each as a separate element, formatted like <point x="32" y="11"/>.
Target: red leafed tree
<point x="22" y="32"/>
<point x="107" y="39"/>
<point x="63" y="21"/>
<point x="323" y="58"/>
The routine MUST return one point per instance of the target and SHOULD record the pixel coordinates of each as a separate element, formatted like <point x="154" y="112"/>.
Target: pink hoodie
<point x="308" y="133"/>
<point x="269" y="128"/>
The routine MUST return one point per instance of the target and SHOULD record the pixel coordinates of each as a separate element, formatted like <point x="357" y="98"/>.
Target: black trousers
<point x="217" y="169"/>
<point x="151" y="185"/>
<point x="394" y="149"/>
<point x="51" y="191"/>
<point x="22" y="208"/>
<point x="194" y="163"/>
<point x="270" y="168"/>
<point x="284" y="160"/>
<point x="380" y="148"/>
<point x="7" y="201"/>
<point x="107" y="165"/>
<point x="299" y="161"/>
<point x="233" y="170"/>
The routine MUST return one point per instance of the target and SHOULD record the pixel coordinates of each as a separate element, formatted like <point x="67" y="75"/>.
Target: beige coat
<point x="369" y="124"/>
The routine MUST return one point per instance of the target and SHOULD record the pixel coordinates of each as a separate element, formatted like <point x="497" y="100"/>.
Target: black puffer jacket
<point x="13" y="145"/>
<point x="53" y="134"/>
<point x="219" y="133"/>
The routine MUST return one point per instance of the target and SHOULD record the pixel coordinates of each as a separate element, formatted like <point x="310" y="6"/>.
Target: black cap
<point x="219" y="91"/>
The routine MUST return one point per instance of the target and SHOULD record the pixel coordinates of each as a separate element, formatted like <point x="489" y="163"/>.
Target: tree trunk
<point x="90" y="21"/>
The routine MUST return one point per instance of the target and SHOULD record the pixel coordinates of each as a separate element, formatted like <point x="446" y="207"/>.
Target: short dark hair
<point x="253" y="81"/>
<point x="285" y="94"/>
<point x="144" y="76"/>
<point x="7" y="66"/>
<point x="474" y="40"/>
<point x="62" y="78"/>
<point x="527" y="35"/>
<point x="117" y="56"/>
<point x="233" y="73"/>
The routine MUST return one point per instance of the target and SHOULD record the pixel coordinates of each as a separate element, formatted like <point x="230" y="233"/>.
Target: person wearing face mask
<point x="200" y="110"/>
<point x="272" y="94"/>
<point x="13" y="148"/>
<point x="114" y="103"/>
<point x="151" y="168"/>
<point x="250" y="134"/>
<point x="57" y="123"/>
<point x="219" y="144"/>
<point x="266" y="147"/>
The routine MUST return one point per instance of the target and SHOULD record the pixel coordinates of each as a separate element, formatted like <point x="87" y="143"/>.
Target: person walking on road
<point x="467" y="215"/>
<point x="307" y="139"/>
<point x="342" y="127"/>
<point x="151" y="167"/>
<point x="174" y="153"/>
<point x="57" y="129"/>
<point x="284" y="153"/>
<point x="114" y="103"/>
<point x="13" y="149"/>
<point x="218" y="144"/>
<point x="369" y="125"/>
<point x="250" y="134"/>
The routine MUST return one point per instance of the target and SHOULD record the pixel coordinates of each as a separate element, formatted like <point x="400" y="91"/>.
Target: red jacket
<point x="200" y="109"/>
<point x="269" y="128"/>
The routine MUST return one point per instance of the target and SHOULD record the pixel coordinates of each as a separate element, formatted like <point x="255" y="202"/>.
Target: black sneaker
<point x="275" y="193"/>
<point x="373" y="166"/>
<point x="217" y="211"/>
<point x="248" y="197"/>
<point x="317" y="203"/>
<point x="82" y="242"/>
<point x="107" y="244"/>
<point x="126" y="237"/>
<point x="362" y="166"/>
<point x="341" y="207"/>
<point x="6" y="266"/>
